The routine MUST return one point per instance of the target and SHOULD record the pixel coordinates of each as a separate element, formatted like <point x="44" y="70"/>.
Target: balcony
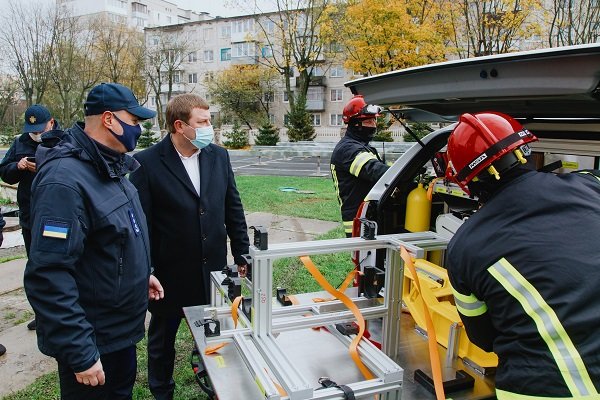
<point x="315" y="105"/>
<point x="244" y="60"/>
<point x="314" y="81"/>
<point x="177" y="88"/>
<point x="237" y="37"/>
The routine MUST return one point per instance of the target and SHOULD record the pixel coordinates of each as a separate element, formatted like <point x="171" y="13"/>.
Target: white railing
<point x="324" y="134"/>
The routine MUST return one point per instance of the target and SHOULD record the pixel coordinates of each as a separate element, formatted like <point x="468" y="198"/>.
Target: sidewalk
<point x="23" y="363"/>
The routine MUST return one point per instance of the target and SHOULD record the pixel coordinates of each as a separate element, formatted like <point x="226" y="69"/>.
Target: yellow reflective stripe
<point x="559" y="343"/>
<point x="348" y="226"/>
<point x="469" y="306"/>
<point x="360" y="160"/>
<point x="504" y="395"/>
<point x="589" y="173"/>
<point x="336" y="183"/>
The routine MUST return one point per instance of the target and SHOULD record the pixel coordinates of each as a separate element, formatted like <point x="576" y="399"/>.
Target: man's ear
<point x="107" y="119"/>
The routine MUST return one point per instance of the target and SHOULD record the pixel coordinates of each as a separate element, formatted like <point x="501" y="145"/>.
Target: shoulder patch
<point x="56" y="229"/>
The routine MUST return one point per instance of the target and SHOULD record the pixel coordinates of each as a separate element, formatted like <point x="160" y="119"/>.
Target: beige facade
<point x="214" y="45"/>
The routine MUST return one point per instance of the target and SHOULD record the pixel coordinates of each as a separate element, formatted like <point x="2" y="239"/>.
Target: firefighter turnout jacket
<point x="355" y="168"/>
<point x="525" y="270"/>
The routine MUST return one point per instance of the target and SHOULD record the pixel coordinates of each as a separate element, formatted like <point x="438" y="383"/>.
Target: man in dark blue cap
<point x="88" y="275"/>
<point x="18" y="166"/>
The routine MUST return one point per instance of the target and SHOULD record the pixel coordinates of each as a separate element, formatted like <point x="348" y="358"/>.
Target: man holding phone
<point x="18" y="166"/>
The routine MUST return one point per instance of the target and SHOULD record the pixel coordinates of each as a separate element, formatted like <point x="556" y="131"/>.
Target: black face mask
<point x="365" y="133"/>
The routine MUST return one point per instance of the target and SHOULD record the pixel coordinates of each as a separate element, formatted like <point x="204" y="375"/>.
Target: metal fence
<point x="324" y="134"/>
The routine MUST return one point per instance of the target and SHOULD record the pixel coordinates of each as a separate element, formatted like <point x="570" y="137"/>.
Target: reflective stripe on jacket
<point x="524" y="270"/>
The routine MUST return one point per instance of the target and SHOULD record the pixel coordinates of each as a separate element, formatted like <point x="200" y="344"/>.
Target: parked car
<point x="554" y="93"/>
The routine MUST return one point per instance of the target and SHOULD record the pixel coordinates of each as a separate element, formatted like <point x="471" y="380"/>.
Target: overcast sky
<point x="223" y="8"/>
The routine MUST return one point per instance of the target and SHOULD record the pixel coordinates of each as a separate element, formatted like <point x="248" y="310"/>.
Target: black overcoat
<point x="188" y="232"/>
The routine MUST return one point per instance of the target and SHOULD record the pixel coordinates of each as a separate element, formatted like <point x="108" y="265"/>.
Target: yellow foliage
<point x="379" y="35"/>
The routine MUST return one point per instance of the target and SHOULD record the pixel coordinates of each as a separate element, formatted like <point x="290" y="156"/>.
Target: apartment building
<point x="138" y="14"/>
<point x="219" y="43"/>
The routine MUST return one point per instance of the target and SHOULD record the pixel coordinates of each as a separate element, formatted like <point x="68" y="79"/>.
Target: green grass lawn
<point x="258" y="194"/>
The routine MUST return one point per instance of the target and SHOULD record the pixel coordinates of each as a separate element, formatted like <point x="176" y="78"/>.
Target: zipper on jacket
<point x="120" y="265"/>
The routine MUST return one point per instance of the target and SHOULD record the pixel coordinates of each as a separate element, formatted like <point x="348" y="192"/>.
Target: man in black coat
<point x="188" y="193"/>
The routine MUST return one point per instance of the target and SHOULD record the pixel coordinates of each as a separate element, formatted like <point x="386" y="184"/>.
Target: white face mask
<point x="36" y="137"/>
<point x="204" y="136"/>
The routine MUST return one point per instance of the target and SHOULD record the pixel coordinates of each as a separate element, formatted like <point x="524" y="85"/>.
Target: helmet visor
<point x="371" y="109"/>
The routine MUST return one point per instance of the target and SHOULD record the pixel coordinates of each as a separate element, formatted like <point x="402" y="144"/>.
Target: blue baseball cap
<point x="36" y="118"/>
<point x="114" y="97"/>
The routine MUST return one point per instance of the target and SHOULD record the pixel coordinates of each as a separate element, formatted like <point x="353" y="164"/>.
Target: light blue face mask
<point x="204" y="136"/>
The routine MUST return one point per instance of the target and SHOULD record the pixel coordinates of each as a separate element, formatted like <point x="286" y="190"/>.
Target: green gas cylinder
<point x="418" y="210"/>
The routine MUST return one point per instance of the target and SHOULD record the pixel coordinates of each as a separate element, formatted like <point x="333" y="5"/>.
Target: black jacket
<point x="88" y="270"/>
<point x="188" y="232"/>
<point x="355" y="168"/>
<point x="23" y="146"/>
<point x="537" y="234"/>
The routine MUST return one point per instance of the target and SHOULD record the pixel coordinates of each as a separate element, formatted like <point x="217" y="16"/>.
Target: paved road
<point x="268" y="165"/>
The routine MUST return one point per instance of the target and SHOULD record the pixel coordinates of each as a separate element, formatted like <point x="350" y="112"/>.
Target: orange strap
<point x="430" y="189"/>
<point x="234" y="309"/>
<point x="310" y="266"/>
<point x="213" y="349"/>
<point x="434" y="357"/>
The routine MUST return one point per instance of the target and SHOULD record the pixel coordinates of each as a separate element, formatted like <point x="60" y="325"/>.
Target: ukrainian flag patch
<point x="55" y="229"/>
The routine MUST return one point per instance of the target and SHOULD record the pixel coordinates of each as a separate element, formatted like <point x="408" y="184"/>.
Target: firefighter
<point x="524" y="267"/>
<point x="356" y="166"/>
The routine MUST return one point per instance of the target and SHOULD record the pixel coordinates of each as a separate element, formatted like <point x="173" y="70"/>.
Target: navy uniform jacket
<point x="188" y="232"/>
<point x="355" y="168"/>
<point x="23" y="146"/>
<point x="525" y="269"/>
<point x="88" y="271"/>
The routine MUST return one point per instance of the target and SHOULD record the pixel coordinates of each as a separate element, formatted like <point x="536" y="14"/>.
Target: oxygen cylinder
<point x="418" y="210"/>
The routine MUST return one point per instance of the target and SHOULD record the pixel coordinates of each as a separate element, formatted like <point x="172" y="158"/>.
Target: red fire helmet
<point x="357" y="108"/>
<point x="481" y="139"/>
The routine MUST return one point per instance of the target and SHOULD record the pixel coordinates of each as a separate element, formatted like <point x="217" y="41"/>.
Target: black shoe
<point x="32" y="325"/>
<point x="2" y="350"/>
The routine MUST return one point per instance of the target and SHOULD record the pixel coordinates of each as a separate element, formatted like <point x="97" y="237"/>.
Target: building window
<point x="193" y="56"/>
<point x="286" y="119"/>
<point x="335" y="47"/>
<point x="177" y="77"/>
<point x="152" y="100"/>
<point x="337" y="95"/>
<point x="207" y="32"/>
<point x="269" y="97"/>
<point x="208" y="56"/>
<point x="272" y="118"/>
<point x="335" y="119"/>
<point x="209" y="76"/>
<point x="316" y="119"/>
<point x="245" y="49"/>
<point x="226" y="54"/>
<point x="336" y="71"/>
<point x="269" y="26"/>
<point x="243" y="26"/>
<point x="285" y="97"/>
<point x="155" y="41"/>
<point x="226" y="31"/>
<point x="193" y="78"/>
<point x="267" y="51"/>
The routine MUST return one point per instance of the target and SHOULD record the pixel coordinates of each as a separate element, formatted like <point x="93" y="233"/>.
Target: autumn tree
<point x="28" y="35"/>
<point x="491" y="27"/>
<point x="165" y="50"/>
<point x="377" y="36"/>
<point x="120" y="49"/>
<point x="75" y="68"/>
<point x="244" y="92"/>
<point x="8" y="95"/>
<point x="573" y="22"/>
<point x="291" y="41"/>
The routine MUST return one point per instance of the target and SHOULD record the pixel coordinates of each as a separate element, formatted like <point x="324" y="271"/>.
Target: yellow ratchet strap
<point x="436" y="369"/>
<point x="310" y="266"/>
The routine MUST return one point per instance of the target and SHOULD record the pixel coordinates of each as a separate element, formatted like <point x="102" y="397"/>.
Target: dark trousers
<point x="161" y="355"/>
<point x="119" y="369"/>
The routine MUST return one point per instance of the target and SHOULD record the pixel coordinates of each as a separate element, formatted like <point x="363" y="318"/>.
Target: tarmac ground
<point x="23" y="363"/>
